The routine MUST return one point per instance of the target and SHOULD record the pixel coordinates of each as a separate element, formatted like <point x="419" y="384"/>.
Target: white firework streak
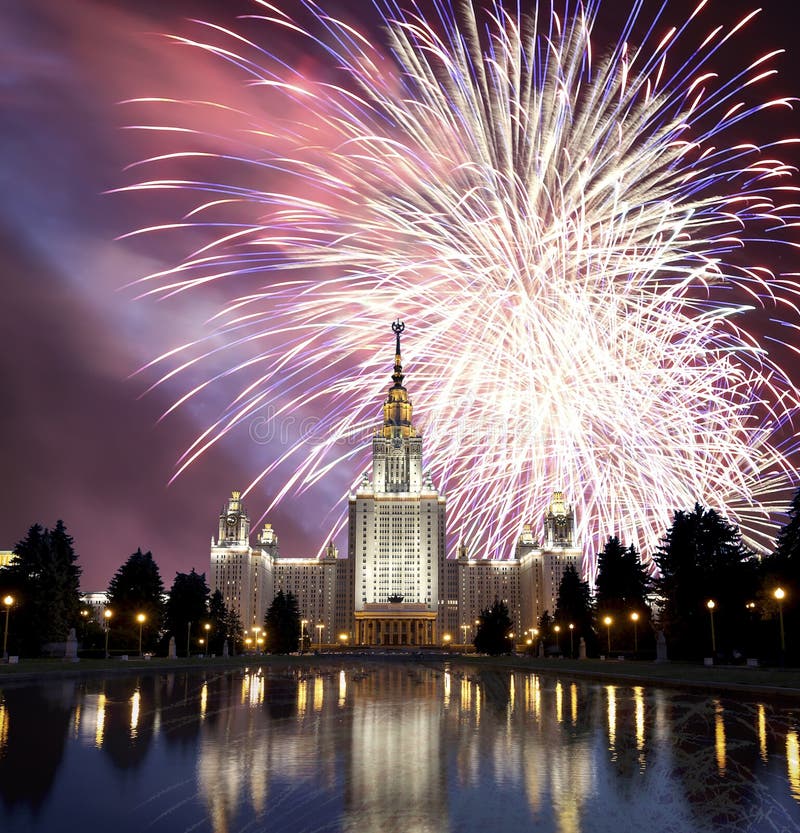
<point x="568" y="238"/>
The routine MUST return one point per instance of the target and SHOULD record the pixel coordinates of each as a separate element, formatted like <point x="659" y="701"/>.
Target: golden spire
<point x="397" y="376"/>
<point x="397" y="407"/>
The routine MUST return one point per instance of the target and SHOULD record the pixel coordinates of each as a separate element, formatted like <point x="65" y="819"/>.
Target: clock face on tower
<point x="231" y="520"/>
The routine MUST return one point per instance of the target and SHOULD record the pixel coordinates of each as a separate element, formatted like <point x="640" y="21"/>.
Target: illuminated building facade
<point x="249" y="577"/>
<point x="396" y="587"/>
<point x="396" y="531"/>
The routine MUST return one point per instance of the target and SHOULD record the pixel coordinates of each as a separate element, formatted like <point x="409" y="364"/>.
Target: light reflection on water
<point x="374" y="747"/>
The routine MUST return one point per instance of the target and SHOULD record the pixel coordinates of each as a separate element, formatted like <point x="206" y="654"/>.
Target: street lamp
<point x="7" y="601"/>
<point x="635" y="619"/>
<point x="711" y="604"/>
<point x="303" y="623"/>
<point x="256" y="641"/>
<point x="207" y="628"/>
<point x="607" y="622"/>
<point x="446" y="639"/>
<point x="571" y="649"/>
<point x="107" y="616"/>
<point x="140" y="617"/>
<point x="557" y="629"/>
<point x="465" y="628"/>
<point x="343" y="637"/>
<point x="320" y="628"/>
<point x="780" y="595"/>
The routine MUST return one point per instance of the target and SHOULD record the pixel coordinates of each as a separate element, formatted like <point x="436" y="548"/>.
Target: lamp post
<point x="7" y="601"/>
<point x="635" y="620"/>
<point x="446" y="639"/>
<point x="303" y="623"/>
<point x="780" y="595"/>
<point x="571" y="648"/>
<point x="320" y="628"/>
<point x="465" y="628"/>
<point x="256" y="641"/>
<point x="140" y="617"/>
<point x="207" y="629"/>
<point x="189" y="640"/>
<point x="107" y="616"/>
<point x="608" y="622"/>
<point x="711" y="604"/>
<point x="557" y="629"/>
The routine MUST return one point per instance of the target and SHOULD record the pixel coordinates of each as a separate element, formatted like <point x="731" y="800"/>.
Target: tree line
<point x="43" y="583"/>
<point x="711" y="596"/>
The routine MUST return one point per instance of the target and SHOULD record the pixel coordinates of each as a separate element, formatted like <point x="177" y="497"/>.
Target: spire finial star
<point x="397" y="328"/>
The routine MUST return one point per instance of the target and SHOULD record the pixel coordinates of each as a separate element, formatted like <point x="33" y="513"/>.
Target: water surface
<point x="376" y="747"/>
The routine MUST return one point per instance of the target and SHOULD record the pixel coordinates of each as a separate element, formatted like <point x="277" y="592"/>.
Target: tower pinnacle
<point x="397" y="408"/>
<point x="397" y="377"/>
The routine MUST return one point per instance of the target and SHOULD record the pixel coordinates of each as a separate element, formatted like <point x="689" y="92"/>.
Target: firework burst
<point x="569" y="232"/>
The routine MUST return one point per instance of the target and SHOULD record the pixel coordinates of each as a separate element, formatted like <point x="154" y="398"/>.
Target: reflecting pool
<point x="395" y="746"/>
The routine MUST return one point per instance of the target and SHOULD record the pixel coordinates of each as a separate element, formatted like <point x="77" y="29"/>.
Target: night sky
<point x="80" y="438"/>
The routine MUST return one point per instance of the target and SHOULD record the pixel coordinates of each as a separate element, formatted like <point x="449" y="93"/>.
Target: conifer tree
<point x="494" y="627"/>
<point x="187" y="603"/>
<point x="701" y="558"/>
<point x="44" y="580"/>
<point x="136" y="588"/>
<point x="282" y="624"/>
<point x="574" y="607"/>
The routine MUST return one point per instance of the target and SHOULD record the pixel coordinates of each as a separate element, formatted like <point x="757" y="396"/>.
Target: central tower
<point x="396" y="530"/>
<point x="396" y="447"/>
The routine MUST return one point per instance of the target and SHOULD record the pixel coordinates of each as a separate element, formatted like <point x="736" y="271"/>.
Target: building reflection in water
<point x="611" y="695"/>
<point x="3" y="725"/>
<point x="719" y="736"/>
<point x="793" y="764"/>
<point x="414" y="748"/>
<point x="638" y="697"/>
<point x="136" y="700"/>
<point x="762" y="732"/>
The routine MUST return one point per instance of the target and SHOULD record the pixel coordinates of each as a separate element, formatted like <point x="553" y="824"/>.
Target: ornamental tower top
<point x="397" y="408"/>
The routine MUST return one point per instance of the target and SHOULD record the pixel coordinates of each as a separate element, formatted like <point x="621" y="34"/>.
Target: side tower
<point x="542" y="565"/>
<point x="396" y="531"/>
<point x="242" y="574"/>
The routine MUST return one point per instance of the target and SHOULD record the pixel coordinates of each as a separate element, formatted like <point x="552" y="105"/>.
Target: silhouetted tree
<point x="282" y="624"/>
<point x="545" y="625"/>
<point x="574" y="606"/>
<point x="622" y="585"/>
<point x="234" y="632"/>
<point x="702" y="557"/>
<point x="187" y="602"/>
<point x="782" y="569"/>
<point x="136" y="588"/>
<point x="217" y="618"/>
<point x="494" y="627"/>
<point x="44" y="581"/>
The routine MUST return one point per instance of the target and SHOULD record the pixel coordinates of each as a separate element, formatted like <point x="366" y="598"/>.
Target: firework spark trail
<point x="565" y="231"/>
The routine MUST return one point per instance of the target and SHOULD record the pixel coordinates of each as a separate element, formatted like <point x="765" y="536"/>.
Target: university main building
<point x="396" y="586"/>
